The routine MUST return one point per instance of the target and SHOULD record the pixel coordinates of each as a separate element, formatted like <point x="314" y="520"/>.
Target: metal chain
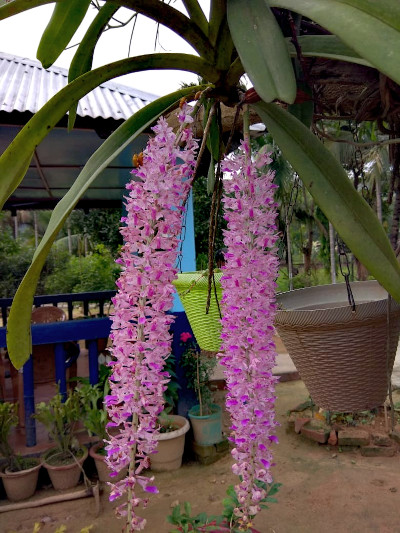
<point x="345" y="271"/>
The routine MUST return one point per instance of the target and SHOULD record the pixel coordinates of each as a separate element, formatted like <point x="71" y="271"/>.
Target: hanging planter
<point x="192" y="288"/>
<point x="341" y="355"/>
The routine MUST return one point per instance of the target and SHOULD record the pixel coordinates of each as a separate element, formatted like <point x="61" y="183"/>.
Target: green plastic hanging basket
<point x="192" y="288"/>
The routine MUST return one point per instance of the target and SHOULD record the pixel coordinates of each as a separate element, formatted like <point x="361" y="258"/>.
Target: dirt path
<point x="320" y="492"/>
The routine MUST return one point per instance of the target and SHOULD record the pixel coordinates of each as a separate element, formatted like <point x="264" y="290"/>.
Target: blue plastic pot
<point x="207" y="429"/>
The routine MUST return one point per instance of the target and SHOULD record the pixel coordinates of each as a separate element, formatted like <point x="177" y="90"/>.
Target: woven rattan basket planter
<point x="341" y="356"/>
<point x="192" y="288"/>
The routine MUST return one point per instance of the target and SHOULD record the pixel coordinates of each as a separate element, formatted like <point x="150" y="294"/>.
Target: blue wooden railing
<point x="57" y="333"/>
<point x="90" y="330"/>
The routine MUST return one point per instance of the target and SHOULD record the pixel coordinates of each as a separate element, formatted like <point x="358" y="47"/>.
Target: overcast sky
<point x="20" y="35"/>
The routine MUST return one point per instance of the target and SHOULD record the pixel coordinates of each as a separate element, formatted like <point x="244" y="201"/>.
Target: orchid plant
<point x="236" y="38"/>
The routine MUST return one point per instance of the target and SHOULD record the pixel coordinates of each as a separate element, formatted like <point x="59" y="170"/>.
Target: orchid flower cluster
<point x="248" y="308"/>
<point x="140" y="323"/>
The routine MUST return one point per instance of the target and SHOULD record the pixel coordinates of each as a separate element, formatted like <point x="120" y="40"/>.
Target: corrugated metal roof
<point x="26" y="86"/>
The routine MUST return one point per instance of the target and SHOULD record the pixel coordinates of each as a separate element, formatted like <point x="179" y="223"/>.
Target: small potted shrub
<point x="206" y="416"/>
<point x="63" y="461"/>
<point x="95" y="421"/>
<point x="19" y="474"/>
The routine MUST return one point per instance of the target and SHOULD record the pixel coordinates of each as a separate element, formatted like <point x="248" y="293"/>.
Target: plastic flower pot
<point x="21" y="485"/>
<point x="170" y="446"/>
<point x="207" y="429"/>
<point x="64" y="475"/>
<point x="102" y="468"/>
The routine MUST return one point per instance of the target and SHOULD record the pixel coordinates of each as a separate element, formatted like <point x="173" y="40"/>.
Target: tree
<point x="270" y="42"/>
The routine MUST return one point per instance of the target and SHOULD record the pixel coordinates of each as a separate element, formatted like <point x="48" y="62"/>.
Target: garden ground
<point x="322" y="489"/>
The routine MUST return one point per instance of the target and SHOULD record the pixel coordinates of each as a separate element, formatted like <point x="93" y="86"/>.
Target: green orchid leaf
<point x="196" y="14"/>
<point x="262" y="49"/>
<point x="19" y="344"/>
<point x="370" y="28"/>
<point x="328" y="46"/>
<point x="65" y="20"/>
<point x="303" y="108"/>
<point x="13" y="166"/>
<point x="83" y="58"/>
<point x="213" y="138"/>
<point x="211" y="177"/>
<point x="333" y="191"/>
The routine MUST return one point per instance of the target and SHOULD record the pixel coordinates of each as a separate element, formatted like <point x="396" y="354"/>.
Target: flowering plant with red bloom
<point x="199" y="367"/>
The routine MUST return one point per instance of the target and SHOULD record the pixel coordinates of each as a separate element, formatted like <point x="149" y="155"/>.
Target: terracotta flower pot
<point x="22" y="484"/>
<point x="64" y="476"/>
<point x="170" y="446"/>
<point x="102" y="469"/>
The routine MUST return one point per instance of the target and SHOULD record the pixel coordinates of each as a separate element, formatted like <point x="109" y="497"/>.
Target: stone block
<point x="207" y="455"/>
<point x="204" y="451"/>
<point x="395" y="435"/>
<point x="353" y="437"/>
<point x="381" y="439"/>
<point x="378" y="451"/>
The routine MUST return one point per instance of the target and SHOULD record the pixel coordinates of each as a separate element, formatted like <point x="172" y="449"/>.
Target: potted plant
<point x="63" y="461"/>
<point x="206" y="416"/>
<point x="19" y="474"/>
<point x="95" y="421"/>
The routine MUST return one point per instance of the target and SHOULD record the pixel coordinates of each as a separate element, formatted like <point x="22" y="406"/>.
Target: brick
<point x="299" y="423"/>
<point x="381" y="439"/>
<point x="353" y="437"/>
<point x="378" y="451"/>
<point x="333" y="440"/>
<point x="315" y="432"/>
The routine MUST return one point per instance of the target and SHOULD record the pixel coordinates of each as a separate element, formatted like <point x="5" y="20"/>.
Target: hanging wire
<point x="289" y="214"/>
<point x="358" y="166"/>
<point x="344" y="266"/>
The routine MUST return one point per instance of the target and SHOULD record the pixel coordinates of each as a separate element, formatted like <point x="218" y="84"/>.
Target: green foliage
<point x="198" y="370"/>
<point x="201" y="209"/>
<point x="94" y="412"/>
<point x="227" y="521"/>
<point x="100" y="226"/>
<point x="59" y="419"/>
<point x="15" y="258"/>
<point x="94" y="272"/>
<point x="171" y="394"/>
<point x="8" y="420"/>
